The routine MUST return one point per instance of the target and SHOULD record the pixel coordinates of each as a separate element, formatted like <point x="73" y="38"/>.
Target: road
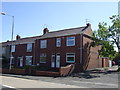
<point x="27" y="83"/>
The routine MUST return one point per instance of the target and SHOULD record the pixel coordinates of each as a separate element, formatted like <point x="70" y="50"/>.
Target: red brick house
<point x="55" y="49"/>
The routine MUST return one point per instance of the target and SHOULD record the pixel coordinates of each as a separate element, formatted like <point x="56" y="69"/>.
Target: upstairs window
<point x="43" y="43"/>
<point x="28" y="60"/>
<point x="70" y="57"/>
<point x="42" y="58"/>
<point x="3" y="50"/>
<point x="29" y="47"/>
<point x="70" y="41"/>
<point x="13" y="48"/>
<point x="58" y="42"/>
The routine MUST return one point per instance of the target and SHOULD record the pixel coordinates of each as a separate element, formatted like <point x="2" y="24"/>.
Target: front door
<point x="20" y="61"/>
<point x="57" y="60"/>
<point x="53" y="61"/>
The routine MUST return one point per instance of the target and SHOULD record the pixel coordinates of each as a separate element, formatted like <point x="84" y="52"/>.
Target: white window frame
<point x="13" y="48"/>
<point x="58" y="42"/>
<point x="12" y="60"/>
<point x="70" y="56"/>
<point x="29" y="47"/>
<point x="28" y="62"/>
<point x="42" y="56"/>
<point x="68" y="40"/>
<point x="43" y="43"/>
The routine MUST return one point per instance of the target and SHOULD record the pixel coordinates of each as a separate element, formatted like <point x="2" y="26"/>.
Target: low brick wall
<point x="47" y="73"/>
<point x="18" y="71"/>
<point x="5" y="70"/>
<point x="23" y="72"/>
<point x="13" y="71"/>
<point x="64" y="71"/>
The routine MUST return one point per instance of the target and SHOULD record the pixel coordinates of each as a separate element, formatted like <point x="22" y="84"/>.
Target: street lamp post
<point x="11" y="36"/>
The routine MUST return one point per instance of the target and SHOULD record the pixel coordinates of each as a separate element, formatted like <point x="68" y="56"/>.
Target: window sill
<point x="42" y="62"/>
<point x="70" y="45"/>
<point x="70" y="62"/>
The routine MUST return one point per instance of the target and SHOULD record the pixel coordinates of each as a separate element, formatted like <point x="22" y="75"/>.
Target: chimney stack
<point x="18" y="37"/>
<point x="45" y="31"/>
<point x="88" y="24"/>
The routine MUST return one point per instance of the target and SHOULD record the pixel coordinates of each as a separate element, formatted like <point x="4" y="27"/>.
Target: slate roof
<point x="65" y="32"/>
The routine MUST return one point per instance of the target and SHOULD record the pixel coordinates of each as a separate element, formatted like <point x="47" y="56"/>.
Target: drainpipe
<point x="81" y="48"/>
<point x="34" y="54"/>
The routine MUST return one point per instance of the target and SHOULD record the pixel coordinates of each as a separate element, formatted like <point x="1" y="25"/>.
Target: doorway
<point x="20" y="61"/>
<point x="55" y="60"/>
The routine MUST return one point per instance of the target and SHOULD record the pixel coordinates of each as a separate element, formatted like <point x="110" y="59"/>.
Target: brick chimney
<point x="45" y="31"/>
<point x="18" y="37"/>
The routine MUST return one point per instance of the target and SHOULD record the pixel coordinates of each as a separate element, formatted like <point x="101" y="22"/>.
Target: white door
<point x="20" y="61"/>
<point x="53" y="61"/>
<point x="57" y="60"/>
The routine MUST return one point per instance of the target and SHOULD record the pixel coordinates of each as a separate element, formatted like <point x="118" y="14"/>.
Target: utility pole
<point x="11" y="36"/>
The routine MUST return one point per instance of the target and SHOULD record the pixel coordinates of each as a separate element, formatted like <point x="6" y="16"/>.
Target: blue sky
<point x="32" y="17"/>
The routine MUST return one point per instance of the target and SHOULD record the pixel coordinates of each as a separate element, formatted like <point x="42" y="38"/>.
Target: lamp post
<point x="3" y="13"/>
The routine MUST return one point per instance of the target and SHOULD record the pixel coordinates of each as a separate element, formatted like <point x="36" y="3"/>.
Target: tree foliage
<point x="106" y="36"/>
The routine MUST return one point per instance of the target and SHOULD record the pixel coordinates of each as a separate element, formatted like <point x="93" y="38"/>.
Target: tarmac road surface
<point x="26" y="83"/>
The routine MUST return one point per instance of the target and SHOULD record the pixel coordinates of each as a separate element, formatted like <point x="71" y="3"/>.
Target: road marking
<point x="97" y="83"/>
<point x="11" y="87"/>
<point x="8" y="86"/>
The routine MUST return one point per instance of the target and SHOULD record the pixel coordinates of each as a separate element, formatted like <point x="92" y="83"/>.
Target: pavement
<point x="99" y="77"/>
<point x="113" y="68"/>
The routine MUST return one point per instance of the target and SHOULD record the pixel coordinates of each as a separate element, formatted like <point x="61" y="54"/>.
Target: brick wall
<point x="21" y="50"/>
<point x="62" y="50"/>
<point x="90" y="54"/>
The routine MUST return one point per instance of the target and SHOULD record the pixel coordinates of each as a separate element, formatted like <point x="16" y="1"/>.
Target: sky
<point x="32" y="17"/>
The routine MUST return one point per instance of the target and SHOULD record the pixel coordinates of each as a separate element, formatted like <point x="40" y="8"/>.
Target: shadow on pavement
<point x="92" y="74"/>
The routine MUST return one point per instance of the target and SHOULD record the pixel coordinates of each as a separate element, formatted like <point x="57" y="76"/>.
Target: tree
<point x="107" y="50"/>
<point x="114" y="30"/>
<point x="106" y="36"/>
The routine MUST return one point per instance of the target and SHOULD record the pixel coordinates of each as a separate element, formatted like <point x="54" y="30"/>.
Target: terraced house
<point x="55" y="49"/>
